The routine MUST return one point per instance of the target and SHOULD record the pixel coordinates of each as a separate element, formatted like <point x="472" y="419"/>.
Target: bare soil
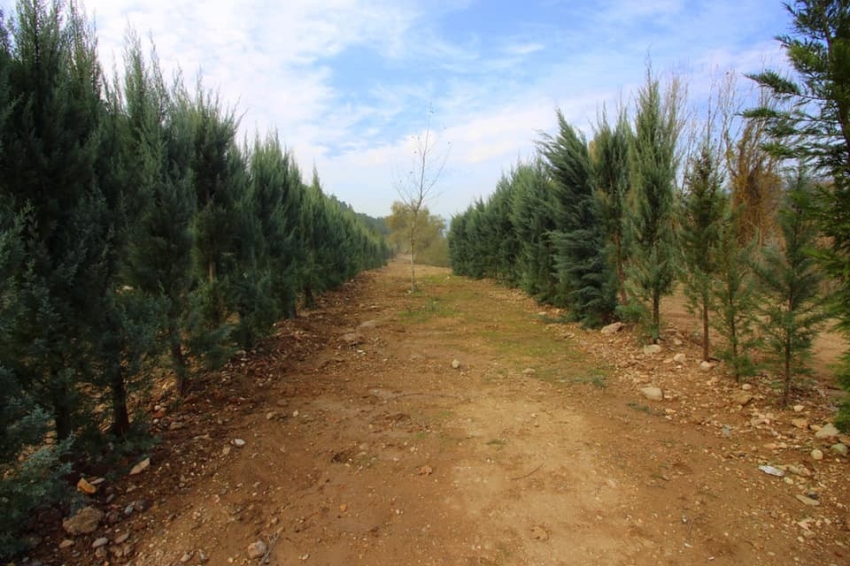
<point x="364" y="445"/>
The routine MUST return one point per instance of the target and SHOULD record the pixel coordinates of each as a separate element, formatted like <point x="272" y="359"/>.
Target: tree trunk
<point x="786" y="390"/>
<point x="178" y="359"/>
<point x="62" y="414"/>
<point x="120" y="415"/>
<point x="656" y="316"/>
<point x="705" y="338"/>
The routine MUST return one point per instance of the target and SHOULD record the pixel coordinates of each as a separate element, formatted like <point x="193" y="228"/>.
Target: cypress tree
<point x="733" y="298"/>
<point x="651" y="227"/>
<point x="702" y="212"/>
<point x="533" y="221"/>
<point x="50" y="144"/>
<point x="578" y="237"/>
<point x="611" y="165"/>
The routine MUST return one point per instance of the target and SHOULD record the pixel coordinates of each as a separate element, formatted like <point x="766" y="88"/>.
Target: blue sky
<point x="347" y="83"/>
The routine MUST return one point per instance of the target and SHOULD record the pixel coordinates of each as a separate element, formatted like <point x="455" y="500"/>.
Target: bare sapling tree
<point x="418" y="186"/>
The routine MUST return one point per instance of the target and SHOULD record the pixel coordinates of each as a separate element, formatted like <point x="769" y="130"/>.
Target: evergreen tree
<point x="702" y="212"/>
<point x="219" y="179"/>
<point x="533" y="221"/>
<point x="654" y="164"/>
<point x="611" y="165"/>
<point x="816" y="130"/>
<point x="50" y="144"/>
<point x="790" y="279"/>
<point x="733" y="298"/>
<point x="578" y="237"/>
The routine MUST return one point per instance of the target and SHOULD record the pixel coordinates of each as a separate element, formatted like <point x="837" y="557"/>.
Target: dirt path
<point x="364" y="445"/>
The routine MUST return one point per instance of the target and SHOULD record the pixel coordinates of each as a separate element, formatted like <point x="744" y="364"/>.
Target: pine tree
<point x="815" y="129"/>
<point x="790" y="279"/>
<point x="654" y="165"/>
<point x="702" y="212"/>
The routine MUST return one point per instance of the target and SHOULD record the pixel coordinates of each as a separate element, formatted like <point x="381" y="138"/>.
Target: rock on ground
<point x="84" y="522"/>
<point x="652" y="393"/>
<point x="828" y="431"/>
<point x="257" y="550"/>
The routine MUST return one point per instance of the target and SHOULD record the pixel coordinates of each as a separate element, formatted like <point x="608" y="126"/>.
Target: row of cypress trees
<point x="606" y="228"/>
<point x="135" y="233"/>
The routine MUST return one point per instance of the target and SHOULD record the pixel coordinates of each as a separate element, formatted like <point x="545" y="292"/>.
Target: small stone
<point x="425" y="471"/>
<point x="652" y="393"/>
<point x="742" y="398"/>
<point x="176" y="426"/>
<point x="225" y="451"/>
<point x="529" y="371"/>
<point x="84" y="486"/>
<point x="84" y="522"/>
<point x="141" y="467"/>
<point x="187" y="556"/>
<point x="66" y="543"/>
<point x="798" y="408"/>
<point x="128" y="510"/>
<point x="455" y="364"/>
<point x="706" y="366"/>
<point x="612" y="328"/>
<point x="271" y="415"/>
<point x="746" y="387"/>
<point x="839" y="448"/>
<point x="351" y="338"/>
<point x="539" y="533"/>
<point x="808" y="501"/>
<point x="680" y="358"/>
<point x="800" y="423"/>
<point x="238" y="442"/>
<point x="102" y="541"/>
<point x="257" y="550"/>
<point x="817" y="454"/>
<point x="122" y="538"/>
<point x="343" y="508"/>
<point x="828" y="431"/>
<point x="651" y="349"/>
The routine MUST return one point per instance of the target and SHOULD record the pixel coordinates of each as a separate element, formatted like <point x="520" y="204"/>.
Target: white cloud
<point x="288" y="65"/>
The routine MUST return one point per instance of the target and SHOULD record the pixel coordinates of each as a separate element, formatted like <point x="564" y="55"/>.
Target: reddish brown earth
<point x="363" y="445"/>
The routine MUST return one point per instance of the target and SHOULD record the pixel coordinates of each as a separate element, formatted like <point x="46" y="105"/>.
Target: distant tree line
<point x="136" y="234"/>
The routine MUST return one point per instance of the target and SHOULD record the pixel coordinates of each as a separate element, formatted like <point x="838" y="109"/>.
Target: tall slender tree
<point x="578" y="237"/>
<point x="702" y="213"/>
<point x="654" y="169"/>
<point x="815" y="128"/>
<point x="790" y="281"/>
<point x="610" y="155"/>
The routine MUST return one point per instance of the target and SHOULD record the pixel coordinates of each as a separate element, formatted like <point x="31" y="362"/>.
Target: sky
<point x="349" y="84"/>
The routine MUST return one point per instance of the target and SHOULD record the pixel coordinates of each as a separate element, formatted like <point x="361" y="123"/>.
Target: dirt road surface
<point x="464" y="425"/>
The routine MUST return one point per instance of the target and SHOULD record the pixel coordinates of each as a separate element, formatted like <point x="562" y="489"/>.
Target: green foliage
<point x="432" y="247"/>
<point x="578" y="238"/>
<point x="651" y="228"/>
<point x="131" y="224"/>
<point x="790" y="279"/>
<point x="610" y="154"/>
<point x="702" y="211"/>
<point x="813" y="126"/>
<point x="734" y="300"/>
